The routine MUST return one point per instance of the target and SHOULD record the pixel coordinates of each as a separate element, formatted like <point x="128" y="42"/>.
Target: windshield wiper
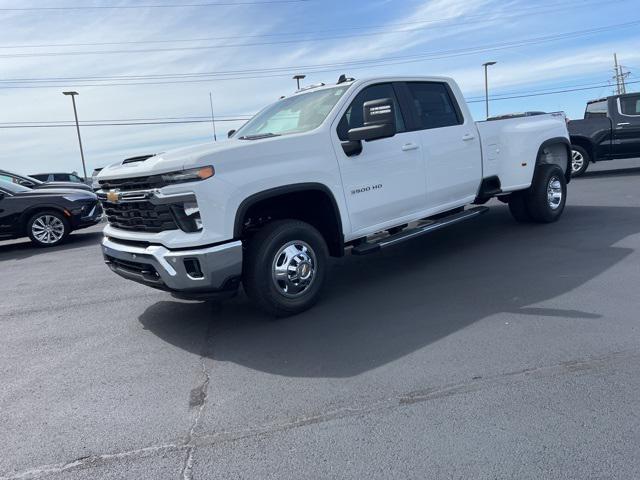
<point x="258" y="136"/>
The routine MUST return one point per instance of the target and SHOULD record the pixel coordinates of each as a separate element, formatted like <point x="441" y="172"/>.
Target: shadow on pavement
<point x="381" y="307"/>
<point x="611" y="173"/>
<point x="23" y="248"/>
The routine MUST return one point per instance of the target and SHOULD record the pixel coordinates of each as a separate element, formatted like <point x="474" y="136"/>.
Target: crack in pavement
<point x="92" y="461"/>
<point x="197" y="399"/>
<point x="571" y="367"/>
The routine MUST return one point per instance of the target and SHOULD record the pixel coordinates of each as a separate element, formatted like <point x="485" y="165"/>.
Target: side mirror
<point x="2" y="195"/>
<point x="230" y="133"/>
<point x="379" y="121"/>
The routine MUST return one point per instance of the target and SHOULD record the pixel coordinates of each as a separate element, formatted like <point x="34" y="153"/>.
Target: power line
<point x="116" y="124"/>
<point x="498" y="98"/>
<point x="240" y="118"/>
<point x="128" y="80"/>
<point x="237" y="45"/>
<point x="168" y="5"/>
<point x="152" y="119"/>
<point x="541" y="90"/>
<point x="479" y="19"/>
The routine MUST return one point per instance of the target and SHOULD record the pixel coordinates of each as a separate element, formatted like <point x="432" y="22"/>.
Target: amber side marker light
<point x="206" y="172"/>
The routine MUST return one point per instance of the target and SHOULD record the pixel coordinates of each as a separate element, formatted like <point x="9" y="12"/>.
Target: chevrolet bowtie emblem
<point x="113" y="197"/>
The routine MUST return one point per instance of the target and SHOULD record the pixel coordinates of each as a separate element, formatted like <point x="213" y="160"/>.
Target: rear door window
<point x="630" y="106"/>
<point x="433" y="105"/>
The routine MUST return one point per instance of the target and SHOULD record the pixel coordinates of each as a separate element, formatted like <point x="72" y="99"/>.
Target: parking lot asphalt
<point x="486" y="350"/>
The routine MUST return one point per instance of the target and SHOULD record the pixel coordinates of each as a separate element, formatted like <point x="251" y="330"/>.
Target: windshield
<point x="12" y="187"/>
<point x="296" y="114"/>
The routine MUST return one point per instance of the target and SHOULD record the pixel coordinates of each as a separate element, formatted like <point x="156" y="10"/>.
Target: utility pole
<point x="213" y="120"/>
<point x="486" y="86"/>
<point x="619" y="77"/>
<point x="75" y="113"/>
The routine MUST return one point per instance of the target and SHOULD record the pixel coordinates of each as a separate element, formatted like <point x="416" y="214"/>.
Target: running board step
<point x="366" y="248"/>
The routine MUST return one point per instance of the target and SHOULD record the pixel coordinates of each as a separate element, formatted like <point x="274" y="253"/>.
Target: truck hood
<point x="217" y="154"/>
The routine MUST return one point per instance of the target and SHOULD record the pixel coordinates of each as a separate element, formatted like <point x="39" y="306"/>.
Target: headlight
<point x="190" y="175"/>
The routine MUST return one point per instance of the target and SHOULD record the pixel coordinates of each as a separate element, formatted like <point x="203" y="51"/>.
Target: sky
<point x="158" y="60"/>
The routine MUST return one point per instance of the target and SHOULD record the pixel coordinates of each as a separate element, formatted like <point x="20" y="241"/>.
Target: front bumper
<point x="188" y="273"/>
<point x="92" y="218"/>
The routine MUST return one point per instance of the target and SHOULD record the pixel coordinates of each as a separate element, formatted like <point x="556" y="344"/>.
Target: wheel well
<point x="27" y="214"/>
<point x="314" y="205"/>
<point x="586" y="144"/>
<point x="556" y="152"/>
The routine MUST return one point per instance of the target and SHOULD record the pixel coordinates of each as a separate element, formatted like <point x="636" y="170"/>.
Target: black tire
<point x="264" y="256"/>
<point x="518" y="207"/>
<point x="48" y="228"/>
<point x="546" y="197"/>
<point x="579" y="156"/>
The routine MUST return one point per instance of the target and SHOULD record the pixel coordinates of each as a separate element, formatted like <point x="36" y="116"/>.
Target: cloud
<point x="451" y="24"/>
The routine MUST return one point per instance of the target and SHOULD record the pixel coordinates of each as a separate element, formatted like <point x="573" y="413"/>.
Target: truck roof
<point x="622" y="95"/>
<point x="382" y="78"/>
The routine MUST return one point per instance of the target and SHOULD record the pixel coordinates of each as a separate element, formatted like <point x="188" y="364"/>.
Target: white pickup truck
<point x="356" y="166"/>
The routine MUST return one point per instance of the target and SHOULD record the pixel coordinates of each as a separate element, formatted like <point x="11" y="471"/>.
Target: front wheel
<point x="285" y="267"/>
<point x="47" y="229"/>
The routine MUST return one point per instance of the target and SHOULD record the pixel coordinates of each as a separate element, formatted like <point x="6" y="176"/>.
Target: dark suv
<point x="46" y="216"/>
<point x="32" y="182"/>
<point x="58" y="177"/>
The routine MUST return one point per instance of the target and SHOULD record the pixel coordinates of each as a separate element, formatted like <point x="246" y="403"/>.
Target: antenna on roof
<point x="343" y="79"/>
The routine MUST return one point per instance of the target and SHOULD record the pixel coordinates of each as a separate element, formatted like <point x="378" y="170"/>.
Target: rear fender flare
<point x="544" y="158"/>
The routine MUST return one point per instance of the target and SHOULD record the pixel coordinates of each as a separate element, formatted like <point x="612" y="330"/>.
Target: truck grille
<point x="140" y="216"/>
<point x="135" y="183"/>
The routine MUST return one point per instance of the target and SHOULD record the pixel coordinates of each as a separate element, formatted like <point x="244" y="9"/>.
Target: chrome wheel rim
<point x="554" y="193"/>
<point x="577" y="161"/>
<point x="294" y="268"/>
<point x="47" y="229"/>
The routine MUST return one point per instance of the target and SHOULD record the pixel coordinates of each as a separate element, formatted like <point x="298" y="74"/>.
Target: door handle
<point x="410" y="146"/>
<point x="468" y="137"/>
<point x="623" y="123"/>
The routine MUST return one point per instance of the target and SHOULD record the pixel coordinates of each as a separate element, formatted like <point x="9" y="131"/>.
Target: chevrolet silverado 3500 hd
<point x="359" y="165"/>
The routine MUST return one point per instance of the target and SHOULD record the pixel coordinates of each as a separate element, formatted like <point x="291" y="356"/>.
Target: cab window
<point x="433" y="105"/>
<point x="352" y="118"/>
<point x="596" y="109"/>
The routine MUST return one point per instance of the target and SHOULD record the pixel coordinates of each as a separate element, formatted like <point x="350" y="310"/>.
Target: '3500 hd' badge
<point x="369" y="188"/>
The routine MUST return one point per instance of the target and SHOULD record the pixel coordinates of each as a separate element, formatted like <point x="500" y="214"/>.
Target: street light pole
<point x="75" y="113"/>
<point x="486" y="85"/>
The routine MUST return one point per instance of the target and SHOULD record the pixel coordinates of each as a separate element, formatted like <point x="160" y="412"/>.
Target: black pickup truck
<point x="610" y="130"/>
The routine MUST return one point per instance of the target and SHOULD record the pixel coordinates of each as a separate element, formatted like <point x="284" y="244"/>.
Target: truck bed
<point x="516" y="141"/>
